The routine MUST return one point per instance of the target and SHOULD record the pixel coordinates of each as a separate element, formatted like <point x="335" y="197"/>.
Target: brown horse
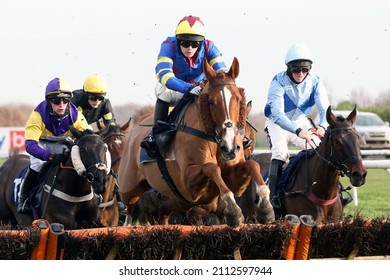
<point x="68" y="189"/>
<point x="315" y="189"/>
<point x="114" y="137"/>
<point x="204" y="166"/>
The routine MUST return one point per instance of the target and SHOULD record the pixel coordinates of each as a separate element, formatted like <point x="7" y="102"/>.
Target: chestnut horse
<point x="147" y="208"/>
<point x="114" y="137"/>
<point x="68" y="194"/>
<point x="203" y="166"/>
<point x="315" y="190"/>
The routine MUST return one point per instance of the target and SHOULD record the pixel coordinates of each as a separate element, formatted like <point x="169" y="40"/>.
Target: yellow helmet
<point x="191" y="28"/>
<point x="95" y="84"/>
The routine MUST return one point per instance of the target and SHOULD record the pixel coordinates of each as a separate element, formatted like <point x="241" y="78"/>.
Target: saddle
<point x="166" y="131"/>
<point x="290" y="173"/>
<point x="35" y="195"/>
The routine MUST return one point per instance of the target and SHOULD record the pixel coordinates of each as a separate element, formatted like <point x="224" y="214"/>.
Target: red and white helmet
<point x="190" y="28"/>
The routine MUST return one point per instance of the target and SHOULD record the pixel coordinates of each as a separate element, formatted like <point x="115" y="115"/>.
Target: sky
<point x="120" y="39"/>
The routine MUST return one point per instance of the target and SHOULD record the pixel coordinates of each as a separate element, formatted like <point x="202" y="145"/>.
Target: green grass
<point x="373" y="196"/>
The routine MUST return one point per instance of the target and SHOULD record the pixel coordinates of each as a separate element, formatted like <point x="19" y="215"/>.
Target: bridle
<point x="115" y="160"/>
<point x="228" y="123"/>
<point x="339" y="164"/>
<point x="91" y="170"/>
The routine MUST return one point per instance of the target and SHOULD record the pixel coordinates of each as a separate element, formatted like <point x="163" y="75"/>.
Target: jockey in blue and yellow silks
<point x="52" y="117"/>
<point x="179" y="69"/>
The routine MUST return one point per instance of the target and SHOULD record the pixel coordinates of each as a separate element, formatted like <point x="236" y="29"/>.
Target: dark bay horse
<point x="315" y="189"/>
<point x="68" y="189"/>
<point x="114" y="137"/>
<point x="203" y="169"/>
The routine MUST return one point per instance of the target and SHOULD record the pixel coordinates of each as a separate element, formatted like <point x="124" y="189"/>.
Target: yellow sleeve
<point x="35" y="128"/>
<point x="81" y="123"/>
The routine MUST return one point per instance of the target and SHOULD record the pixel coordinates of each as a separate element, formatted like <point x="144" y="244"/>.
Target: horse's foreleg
<point x="264" y="210"/>
<point x="232" y="212"/>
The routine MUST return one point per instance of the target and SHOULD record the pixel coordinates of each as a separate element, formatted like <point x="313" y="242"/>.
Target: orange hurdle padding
<point x="289" y="250"/>
<point x="39" y="252"/>
<point x="55" y="246"/>
<point x="302" y="250"/>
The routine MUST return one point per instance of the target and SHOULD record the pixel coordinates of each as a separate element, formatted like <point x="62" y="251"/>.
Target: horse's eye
<point x="212" y="104"/>
<point x="337" y="142"/>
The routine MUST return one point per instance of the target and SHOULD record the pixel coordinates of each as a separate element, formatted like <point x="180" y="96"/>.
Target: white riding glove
<point x="196" y="90"/>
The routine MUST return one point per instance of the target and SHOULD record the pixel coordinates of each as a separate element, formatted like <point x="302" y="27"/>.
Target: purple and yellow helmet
<point x="58" y="87"/>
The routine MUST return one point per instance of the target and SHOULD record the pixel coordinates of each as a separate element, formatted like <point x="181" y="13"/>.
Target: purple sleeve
<point x="37" y="151"/>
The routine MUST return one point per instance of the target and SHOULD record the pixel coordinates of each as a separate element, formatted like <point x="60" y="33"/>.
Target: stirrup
<point x="346" y="200"/>
<point x="25" y="207"/>
<point x="150" y="147"/>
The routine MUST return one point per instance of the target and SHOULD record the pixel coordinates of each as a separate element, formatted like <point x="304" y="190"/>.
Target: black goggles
<point x="297" y="70"/>
<point x="96" y="97"/>
<point x="187" y="44"/>
<point x="58" y="100"/>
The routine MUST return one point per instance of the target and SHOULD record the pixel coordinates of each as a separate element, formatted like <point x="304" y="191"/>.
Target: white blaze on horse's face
<point x="228" y="126"/>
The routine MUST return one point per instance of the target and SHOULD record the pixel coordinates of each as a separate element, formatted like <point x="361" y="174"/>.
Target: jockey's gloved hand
<point x="57" y="158"/>
<point x="196" y="90"/>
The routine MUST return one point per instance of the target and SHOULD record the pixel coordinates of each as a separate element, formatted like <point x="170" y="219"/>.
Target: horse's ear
<point x="76" y="133"/>
<point x="208" y="70"/>
<point x="330" y="117"/>
<point x="352" y="116"/>
<point x="234" y="69"/>
<point x="248" y="107"/>
<point x="243" y="110"/>
<point x="126" y="126"/>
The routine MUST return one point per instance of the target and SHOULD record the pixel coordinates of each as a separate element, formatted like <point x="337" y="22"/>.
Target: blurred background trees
<point x="17" y="115"/>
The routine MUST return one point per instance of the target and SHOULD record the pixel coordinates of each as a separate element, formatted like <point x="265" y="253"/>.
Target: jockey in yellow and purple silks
<point x="179" y="68"/>
<point x="52" y="117"/>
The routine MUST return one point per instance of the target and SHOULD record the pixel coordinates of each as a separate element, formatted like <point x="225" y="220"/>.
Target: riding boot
<point x="275" y="171"/>
<point x="28" y="183"/>
<point x="160" y="114"/>
<point x="121" y="206"/>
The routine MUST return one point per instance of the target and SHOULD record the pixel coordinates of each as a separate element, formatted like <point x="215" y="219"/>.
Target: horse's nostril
<point x="223" y="149"/>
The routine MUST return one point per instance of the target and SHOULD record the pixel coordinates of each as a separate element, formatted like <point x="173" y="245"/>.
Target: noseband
<point x="99" y="166"/>
<point x="339" y="164"/>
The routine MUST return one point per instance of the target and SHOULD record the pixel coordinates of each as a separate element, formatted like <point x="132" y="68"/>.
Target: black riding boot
<point x="121" y="206"/>
<point x="160" y="114"/>
<point x="275" y="170"/>
<point x="28" y="183"/>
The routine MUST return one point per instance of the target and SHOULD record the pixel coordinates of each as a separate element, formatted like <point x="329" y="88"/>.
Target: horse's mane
<point x="205" y="113"/>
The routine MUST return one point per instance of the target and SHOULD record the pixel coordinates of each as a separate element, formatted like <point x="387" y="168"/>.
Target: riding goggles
<point x="297" y="70"/>
<point x="187" y="44"/>
<point x="96" y="97"/>
<point x="58" y="100"/>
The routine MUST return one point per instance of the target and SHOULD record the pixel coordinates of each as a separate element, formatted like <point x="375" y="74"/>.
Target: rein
<point x="340" y="165"/>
